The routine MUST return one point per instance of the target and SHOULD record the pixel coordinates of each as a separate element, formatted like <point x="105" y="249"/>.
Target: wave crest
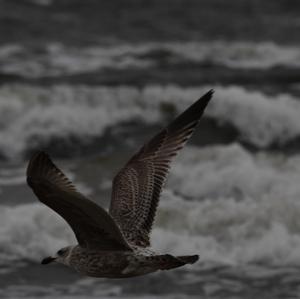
<point x="35" y="116"/>
<point x="57" y="59"/>
<point x="201" y="212"/>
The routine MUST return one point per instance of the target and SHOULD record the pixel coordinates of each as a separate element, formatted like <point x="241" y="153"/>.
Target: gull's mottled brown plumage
<point x="114" y="244"/>
<point x="137" y="187"/>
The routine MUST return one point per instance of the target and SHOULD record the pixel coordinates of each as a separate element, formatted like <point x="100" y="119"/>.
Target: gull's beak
<point x="48" y="260"/>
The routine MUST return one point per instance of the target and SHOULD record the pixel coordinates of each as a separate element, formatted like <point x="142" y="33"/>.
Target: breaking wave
<point x="57" y="59"/>
<point x="29" y="231"/>
<point x="34" y="116"/>
<point x="238" y="207"/>
<point x="231" y="207"/>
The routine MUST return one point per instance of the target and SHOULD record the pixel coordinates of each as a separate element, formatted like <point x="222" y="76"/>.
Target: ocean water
<point x="91" y="90"/>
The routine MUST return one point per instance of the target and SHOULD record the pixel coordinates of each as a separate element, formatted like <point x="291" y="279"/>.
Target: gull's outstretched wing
<point x="137" y="187"/>
<point x="92" y="225"/>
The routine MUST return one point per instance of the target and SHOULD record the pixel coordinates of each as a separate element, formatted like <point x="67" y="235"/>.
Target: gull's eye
<point x="60" y="252"/>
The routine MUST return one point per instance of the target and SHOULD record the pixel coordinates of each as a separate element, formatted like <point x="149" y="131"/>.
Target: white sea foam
<point x="31" y="231"/>
<point x="231" y="171"/>
<point x="239" y="209"/>
<point x="60" y="60"/>
<point x="31" y="115"/>
<point x="230" y="231"/>
<point x="57" y="59"/>
<point x="239" y="54"/>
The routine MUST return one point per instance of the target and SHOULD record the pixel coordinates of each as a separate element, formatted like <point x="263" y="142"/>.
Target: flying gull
<point x="116" y="244"/>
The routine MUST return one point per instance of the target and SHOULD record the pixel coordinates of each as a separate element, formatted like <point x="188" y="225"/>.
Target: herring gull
<point x="116" y="244"/>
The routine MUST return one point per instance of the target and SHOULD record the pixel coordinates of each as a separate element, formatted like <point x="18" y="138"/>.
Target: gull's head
<point x="60" y="257"/>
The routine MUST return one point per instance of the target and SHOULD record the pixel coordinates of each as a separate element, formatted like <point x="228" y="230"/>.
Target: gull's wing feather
<point x="137" y="187"/>
<point x="92" y="225"/>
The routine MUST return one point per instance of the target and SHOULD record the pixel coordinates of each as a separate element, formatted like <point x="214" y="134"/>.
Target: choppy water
<point x="233" y="195"/>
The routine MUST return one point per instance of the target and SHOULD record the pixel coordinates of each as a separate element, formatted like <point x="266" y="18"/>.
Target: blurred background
<point x="90" y="81"/>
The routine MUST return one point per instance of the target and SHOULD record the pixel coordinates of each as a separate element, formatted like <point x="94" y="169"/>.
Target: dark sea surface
<point x="91" y="81"/>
